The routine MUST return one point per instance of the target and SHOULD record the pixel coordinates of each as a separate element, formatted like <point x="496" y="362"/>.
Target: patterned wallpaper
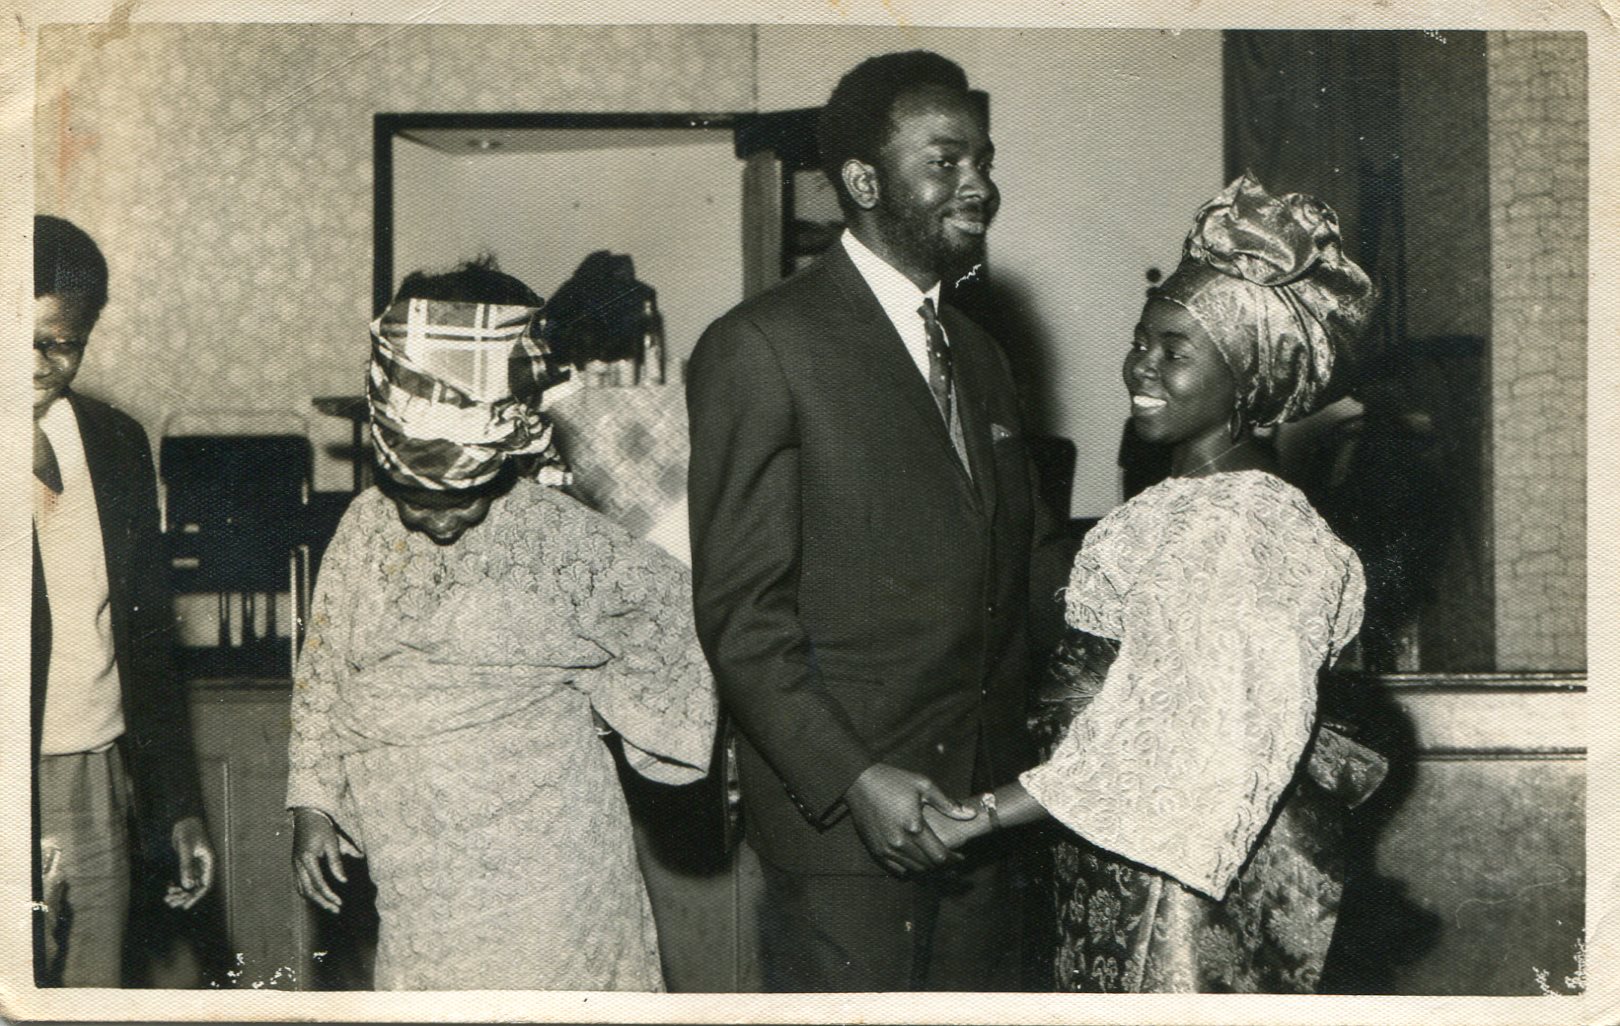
<point x="1539" y="168"/>
<point x="226" y="171"/>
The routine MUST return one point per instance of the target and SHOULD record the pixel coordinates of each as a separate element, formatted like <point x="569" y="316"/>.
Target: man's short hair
<point x="67" y="262"/>
<point x="856" y="121"/>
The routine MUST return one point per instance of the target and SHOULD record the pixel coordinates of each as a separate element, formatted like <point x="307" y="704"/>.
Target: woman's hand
<point x="953" y="833"/>
<point x="316" y="853"/>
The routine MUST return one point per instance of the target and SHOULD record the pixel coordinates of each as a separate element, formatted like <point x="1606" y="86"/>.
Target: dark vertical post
<point x="382" y="211"/>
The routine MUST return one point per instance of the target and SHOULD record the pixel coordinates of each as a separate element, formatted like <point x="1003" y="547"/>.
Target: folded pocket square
<point x="999" y="433"/>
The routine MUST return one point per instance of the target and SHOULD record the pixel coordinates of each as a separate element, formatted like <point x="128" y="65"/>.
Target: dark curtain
<point x="1316" y="112"/>
<point x="1319" y="112"/>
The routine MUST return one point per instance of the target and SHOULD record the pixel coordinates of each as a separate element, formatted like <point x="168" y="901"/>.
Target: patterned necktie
<point x="939" y="360"/>
<point x="941" y="383"/>
<point x="46" y="468"/>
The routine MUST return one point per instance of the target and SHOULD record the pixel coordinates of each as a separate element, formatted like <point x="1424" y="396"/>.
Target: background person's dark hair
<point x="67" y="262"/>
<point x="479" y="280"/>
<point x="855" y="122"/>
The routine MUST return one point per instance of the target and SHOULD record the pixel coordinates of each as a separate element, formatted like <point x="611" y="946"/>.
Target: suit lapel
<point x="888" y="358"/>
<point x="972" y="392"/>
<point x="112" y="509"/>
<point x="40" y="636"/>
<point x="96" y="458"/>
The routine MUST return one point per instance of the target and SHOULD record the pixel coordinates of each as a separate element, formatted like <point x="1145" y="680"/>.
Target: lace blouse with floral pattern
<point x="1227" y="594"/>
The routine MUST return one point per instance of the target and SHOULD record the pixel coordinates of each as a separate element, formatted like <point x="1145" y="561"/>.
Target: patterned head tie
<point x="454" y="389"/>
<point x="1266" y="277"/>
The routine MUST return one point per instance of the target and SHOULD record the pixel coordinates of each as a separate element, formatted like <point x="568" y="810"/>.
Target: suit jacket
<point x="157" y="742"/>
<point x="860" y="597"/>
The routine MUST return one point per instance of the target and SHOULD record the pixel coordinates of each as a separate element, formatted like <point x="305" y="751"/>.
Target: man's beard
<point x="922" y="240"/>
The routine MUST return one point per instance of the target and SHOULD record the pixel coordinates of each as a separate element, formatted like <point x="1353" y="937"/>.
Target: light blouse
<point x="1227" y="594"/>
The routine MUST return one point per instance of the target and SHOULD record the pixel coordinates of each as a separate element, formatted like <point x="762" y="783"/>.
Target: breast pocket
<point x="1013" y="472"/>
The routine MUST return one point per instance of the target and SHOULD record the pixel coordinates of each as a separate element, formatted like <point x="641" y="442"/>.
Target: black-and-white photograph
<point x="762" y="507"/>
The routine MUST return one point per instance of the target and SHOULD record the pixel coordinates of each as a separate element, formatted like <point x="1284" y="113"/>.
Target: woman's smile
<point x="1182" y="391"/>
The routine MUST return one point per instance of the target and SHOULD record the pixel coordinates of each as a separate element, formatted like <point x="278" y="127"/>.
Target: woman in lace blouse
<point x="1201" y="797"/>
<point x="475" y="638"/>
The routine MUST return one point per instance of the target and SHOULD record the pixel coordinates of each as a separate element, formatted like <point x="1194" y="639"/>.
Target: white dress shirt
<point x="902" y="300"/>
<point x="84" y="710"/>
<point x="899" y="297"/>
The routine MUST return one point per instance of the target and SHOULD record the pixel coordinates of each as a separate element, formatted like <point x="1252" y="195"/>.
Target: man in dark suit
<point x="863" y="521"/>
<point x="110" y="727"/>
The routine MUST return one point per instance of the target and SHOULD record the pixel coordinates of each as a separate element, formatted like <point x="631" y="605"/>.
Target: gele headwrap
<point x="1267" y="278"/>
<point x="454" y="389"/>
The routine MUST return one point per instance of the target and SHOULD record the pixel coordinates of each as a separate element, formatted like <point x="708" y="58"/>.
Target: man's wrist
<point x="862" y="779"/>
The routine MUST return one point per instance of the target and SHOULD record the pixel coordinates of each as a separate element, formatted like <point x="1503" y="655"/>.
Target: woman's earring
<point x="1236" y="425"/>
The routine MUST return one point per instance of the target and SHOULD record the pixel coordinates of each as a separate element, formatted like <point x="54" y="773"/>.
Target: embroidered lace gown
<point x="443" y="716"/>
<point x="1184" y="752"/>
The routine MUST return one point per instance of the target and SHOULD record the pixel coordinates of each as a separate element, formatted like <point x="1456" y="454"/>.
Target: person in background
<point x="111" y="731"/>
<point x="477" y="641"/>
<point x="865" y="524"/>
<point x="1204" y="796"/>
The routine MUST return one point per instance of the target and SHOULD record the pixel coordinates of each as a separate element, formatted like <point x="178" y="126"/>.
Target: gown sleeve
<point x="655" y="690"/>
<point x="1205" y="713"/>
<point x="315" y="777"/>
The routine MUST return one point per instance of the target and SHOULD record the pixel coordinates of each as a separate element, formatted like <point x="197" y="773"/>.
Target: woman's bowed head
<point x="454" y="386"/>
<point x="443" y="515"/>
<point x="1257" y="326"/>
<point x="464" y="608"/>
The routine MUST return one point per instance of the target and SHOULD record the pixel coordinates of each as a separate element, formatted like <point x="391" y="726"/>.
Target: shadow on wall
<point x="1403" y="484"/>
<point x="1003" y="305"/>
<point x="168" y="949"/>
<point x="1381" y="930"/>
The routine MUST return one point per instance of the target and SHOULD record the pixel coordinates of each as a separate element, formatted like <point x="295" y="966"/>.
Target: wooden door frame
<point x="388" y="126"/>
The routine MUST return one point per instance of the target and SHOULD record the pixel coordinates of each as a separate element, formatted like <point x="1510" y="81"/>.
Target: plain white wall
<point x="1107" y="141"/>
<point x="677" y="210"/>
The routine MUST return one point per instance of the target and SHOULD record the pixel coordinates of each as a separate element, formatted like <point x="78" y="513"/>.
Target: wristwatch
<point x="988" y="800"/>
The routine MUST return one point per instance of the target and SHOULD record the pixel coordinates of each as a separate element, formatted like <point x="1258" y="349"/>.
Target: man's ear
<point x="861" y="181"/>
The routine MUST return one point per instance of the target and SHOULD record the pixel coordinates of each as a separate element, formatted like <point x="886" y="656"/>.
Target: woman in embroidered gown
<point x="1202" y="794"/>
<point x="474" y="636"/>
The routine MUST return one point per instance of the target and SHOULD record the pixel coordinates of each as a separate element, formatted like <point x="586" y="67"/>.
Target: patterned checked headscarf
<point x="454" y="389"/>
<point x="1266" y="277"/>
